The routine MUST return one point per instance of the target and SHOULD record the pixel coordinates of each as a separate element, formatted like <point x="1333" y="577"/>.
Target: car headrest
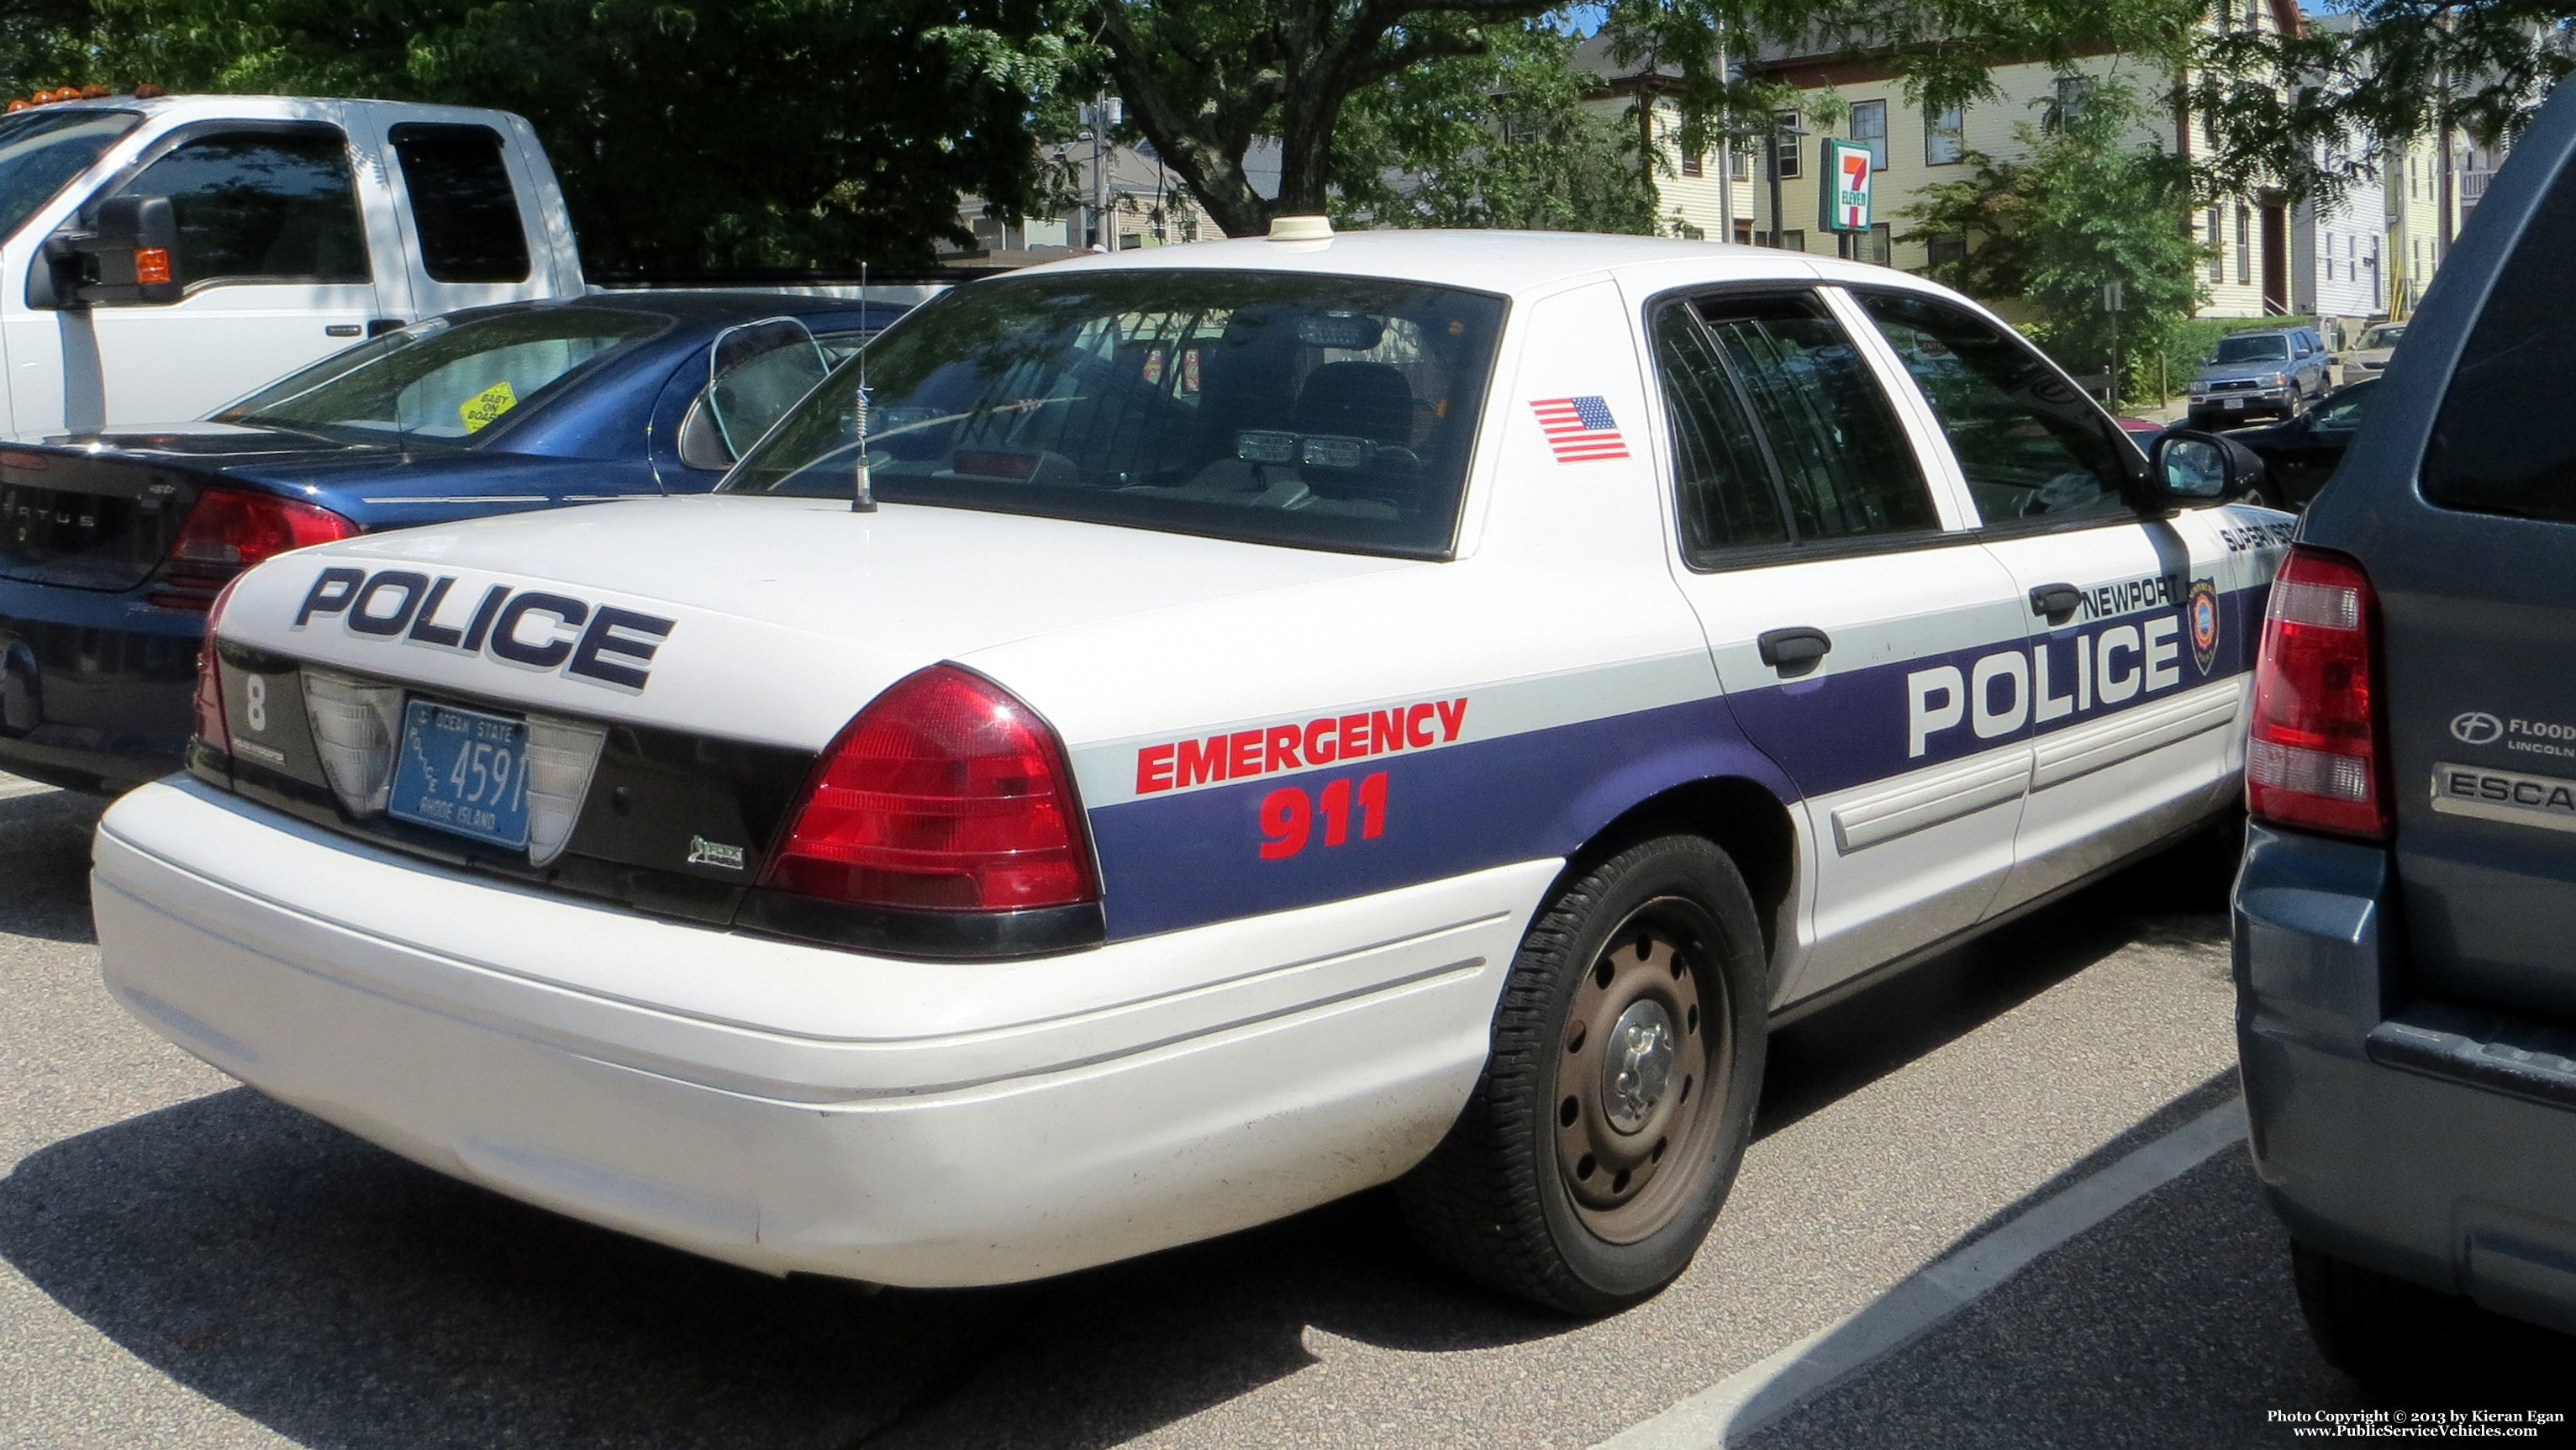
<point x="1370" y="400"/>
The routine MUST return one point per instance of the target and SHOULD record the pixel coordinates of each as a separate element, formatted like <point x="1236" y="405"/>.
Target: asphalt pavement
<point x="184" y="1263"/>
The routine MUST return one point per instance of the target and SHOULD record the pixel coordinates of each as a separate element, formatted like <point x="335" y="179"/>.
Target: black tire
<point x="2392" y="1336"/>
<point x="1510" y="1198"/>
<point x="2407" y="1344"/>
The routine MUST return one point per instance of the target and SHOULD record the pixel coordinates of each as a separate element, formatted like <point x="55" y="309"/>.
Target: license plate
<point x="2231" y="402"/>
<point x="463" y="771"/>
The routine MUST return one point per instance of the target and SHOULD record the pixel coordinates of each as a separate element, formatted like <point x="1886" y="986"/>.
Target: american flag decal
<point x="1580" y="430"/>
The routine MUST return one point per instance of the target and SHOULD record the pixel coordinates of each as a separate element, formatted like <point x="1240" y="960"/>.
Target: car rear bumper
<point x="95" y="688"/>
<point x="788" y="1107"/>
<point x="2274" y="404"/>
<point x="2423" y="1175"/>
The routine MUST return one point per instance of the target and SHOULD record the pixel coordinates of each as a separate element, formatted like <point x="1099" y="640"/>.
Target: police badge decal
<point x="2203" y="611"/>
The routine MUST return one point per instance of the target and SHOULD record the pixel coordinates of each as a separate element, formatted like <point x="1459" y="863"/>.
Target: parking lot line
<point x="1731" y="1410"/>
<point x="11" y="787"/>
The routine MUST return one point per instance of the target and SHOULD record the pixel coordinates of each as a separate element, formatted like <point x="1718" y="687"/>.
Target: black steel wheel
<point x="1619" y="1094"/>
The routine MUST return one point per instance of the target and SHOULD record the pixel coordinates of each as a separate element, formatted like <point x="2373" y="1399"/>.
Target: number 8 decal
<point x="1288" y="815"/>
<point x="256" y="687"/>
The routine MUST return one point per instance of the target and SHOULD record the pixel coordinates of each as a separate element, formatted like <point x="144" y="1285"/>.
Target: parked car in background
<point x="113" y="544"/>
<point x="2272" y="373"/>
<point x="2299" y="454"/>
<point x="2403" y="914"/>
<point x="2369" y="357"/>
<point x="141" y="236"/>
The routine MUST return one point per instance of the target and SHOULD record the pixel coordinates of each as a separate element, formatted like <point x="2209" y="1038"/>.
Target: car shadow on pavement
<point x="44" y="861"/>
<point x="2177" y="897"/>
<point x="344" y="1297"/>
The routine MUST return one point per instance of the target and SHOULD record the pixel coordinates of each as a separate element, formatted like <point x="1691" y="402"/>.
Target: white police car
<point x="1300" y="715"/>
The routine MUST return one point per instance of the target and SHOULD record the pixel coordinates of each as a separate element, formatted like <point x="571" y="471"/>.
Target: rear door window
<point x="272" y="205"/>
<point x="463" y="205"/>
<point x="2505" y="439"/>
<point x="1836" y="456"/>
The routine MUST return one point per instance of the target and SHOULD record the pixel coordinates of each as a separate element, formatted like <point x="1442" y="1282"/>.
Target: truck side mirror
<point x="129" y="256"/>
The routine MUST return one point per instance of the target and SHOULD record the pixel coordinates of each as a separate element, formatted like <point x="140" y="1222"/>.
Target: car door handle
<point x="2056" y="601"/>
<point x="340" y="329"/>
<point x="1793" y="651"/>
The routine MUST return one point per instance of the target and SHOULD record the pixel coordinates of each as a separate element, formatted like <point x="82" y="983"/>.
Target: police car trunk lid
<point x="767" y="620"/>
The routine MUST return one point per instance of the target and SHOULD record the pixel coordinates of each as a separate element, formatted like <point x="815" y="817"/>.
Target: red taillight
<point x="231" y="529"/>
<point x="211" y="725"/>
<point x="2314" y="760"/>
<point x="945" y="794"/>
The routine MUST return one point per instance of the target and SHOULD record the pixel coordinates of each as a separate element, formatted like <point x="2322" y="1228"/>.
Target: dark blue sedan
<point x="113" y="546"/>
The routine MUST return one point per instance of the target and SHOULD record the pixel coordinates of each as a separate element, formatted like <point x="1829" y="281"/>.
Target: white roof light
<point x="1301" y="229"/>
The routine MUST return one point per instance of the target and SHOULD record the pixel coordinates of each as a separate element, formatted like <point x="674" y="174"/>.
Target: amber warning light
<point x="151" y="265"/>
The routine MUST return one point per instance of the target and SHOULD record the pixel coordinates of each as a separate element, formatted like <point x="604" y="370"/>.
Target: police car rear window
<point x="1318" y="412"/>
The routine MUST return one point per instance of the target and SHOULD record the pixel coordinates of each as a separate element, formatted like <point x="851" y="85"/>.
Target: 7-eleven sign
<point x="1845" y="194"/>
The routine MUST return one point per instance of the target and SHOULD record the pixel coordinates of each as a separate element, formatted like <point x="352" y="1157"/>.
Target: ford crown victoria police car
<point x="1288" y="716"/>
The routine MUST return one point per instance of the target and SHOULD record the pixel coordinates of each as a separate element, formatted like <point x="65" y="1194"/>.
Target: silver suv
<point x="2268" y="374"/>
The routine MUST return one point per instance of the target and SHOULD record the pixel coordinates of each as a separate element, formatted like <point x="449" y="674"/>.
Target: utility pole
<point x="1725" y="160"/>
<point x="1100" y="171"/>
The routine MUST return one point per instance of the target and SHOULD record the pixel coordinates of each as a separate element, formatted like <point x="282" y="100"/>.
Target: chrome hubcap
<point x="1639" y="1065"/>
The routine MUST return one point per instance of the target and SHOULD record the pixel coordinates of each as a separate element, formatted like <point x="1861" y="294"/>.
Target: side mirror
<point x="129" y="256"/>
<point x="2187" y="468"/>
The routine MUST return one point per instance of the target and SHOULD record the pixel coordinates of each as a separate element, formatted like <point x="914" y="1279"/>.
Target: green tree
<point x="687" y="133"/>
<point x="1500" y="139"/>
<point x="1203" y="79"/>
<point x="2308" y="113"/>
<point x="2084" y="209"/>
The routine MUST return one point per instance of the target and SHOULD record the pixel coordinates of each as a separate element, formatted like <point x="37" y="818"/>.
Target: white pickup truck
<point x="161" y="256"/>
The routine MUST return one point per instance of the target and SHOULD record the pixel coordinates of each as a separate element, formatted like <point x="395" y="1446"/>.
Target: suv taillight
<point x="945" y="794"/>
<point x="2315" y="758"/>
<point x="231" y="529"/>
<point x="211" y="725"/>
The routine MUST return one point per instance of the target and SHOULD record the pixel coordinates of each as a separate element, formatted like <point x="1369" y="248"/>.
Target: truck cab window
<point x="40" y="150"/>
<point x="262" y="206"/>
<point x="463" y="203"/>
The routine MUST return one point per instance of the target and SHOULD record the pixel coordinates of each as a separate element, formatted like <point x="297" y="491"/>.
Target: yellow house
<point x="2267" y="256"/>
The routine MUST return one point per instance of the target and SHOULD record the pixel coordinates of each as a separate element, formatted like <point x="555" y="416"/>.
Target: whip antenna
<point x="863" y="497"/>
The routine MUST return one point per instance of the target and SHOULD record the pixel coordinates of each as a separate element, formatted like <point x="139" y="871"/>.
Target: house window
<point x="1869" y="126"/>
<point x="1945" y="251"/>
<point x="1945" y="136"/>
<point x="1794" y="240"/>
<point x="2074" y="93"/>
<point x="2217" y="247"/>
<point x="1786" y="153"/>
<point x="1744" y="232"/>
<point x="1879" y="245"/>
<point x="1690" y="163"/>
<point x="1739" y="161"/>
<point x="2244" y="243"/>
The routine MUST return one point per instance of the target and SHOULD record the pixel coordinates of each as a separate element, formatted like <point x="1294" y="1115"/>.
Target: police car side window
<point x="2033" y="449"/>
<point x="1727" y="495"/>
<point x="1841" y="461"/>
